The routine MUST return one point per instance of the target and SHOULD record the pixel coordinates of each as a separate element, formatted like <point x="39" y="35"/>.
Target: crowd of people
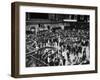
<point x="58" y="47"/>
